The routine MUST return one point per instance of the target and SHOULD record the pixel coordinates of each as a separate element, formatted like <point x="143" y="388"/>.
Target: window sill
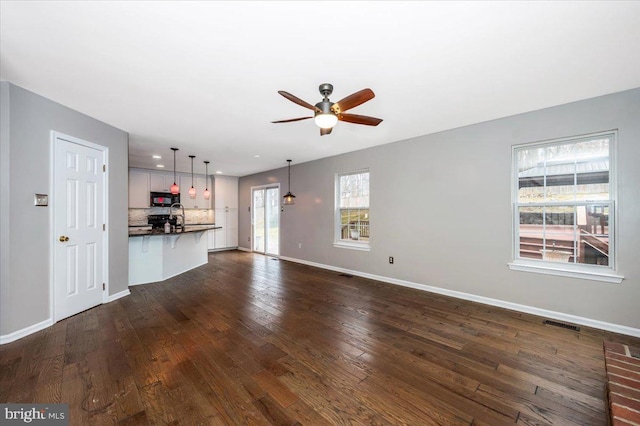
<point x="584" y="271"/>
<point x="352" y="246"/>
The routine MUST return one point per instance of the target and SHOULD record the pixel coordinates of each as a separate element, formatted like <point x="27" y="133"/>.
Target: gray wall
<point x="25" y="169"/>
<point x="441" y="205"/>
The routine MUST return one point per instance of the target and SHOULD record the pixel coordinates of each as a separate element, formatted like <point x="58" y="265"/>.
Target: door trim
<point x="267" y="186"/>
<point x="52" y="200"/>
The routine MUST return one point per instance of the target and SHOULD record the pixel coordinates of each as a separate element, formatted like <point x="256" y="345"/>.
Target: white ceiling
<point x="203" y="76"/>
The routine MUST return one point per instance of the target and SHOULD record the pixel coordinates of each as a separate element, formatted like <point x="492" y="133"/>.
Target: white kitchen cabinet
<point x="225" y="192"/>
<point x="232" y="228"/>
<point x="220" y="236"/>
<point x="226" y="212"/>
<point x="227" y="236"/>
<point x="211" y="239"/>
<point x="138" y="189"/>
<point x="199" y="183"/>
<point x="185" y="184"/>
<point x="161" y="182"/>
<point x="203" y="183"/>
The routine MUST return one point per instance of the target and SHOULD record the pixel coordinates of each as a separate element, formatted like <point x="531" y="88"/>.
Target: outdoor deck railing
<point x="355" y="230"/>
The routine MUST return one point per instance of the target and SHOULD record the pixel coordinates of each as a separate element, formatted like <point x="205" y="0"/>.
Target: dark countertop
<point x="145" y="225"/>
<point x="186" y="230"/>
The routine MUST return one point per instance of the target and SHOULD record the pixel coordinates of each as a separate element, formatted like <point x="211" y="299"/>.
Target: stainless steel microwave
<point x="163" y="199"/>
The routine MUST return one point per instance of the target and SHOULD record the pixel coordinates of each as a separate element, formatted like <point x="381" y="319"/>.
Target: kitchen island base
<point x="154" y="258"/>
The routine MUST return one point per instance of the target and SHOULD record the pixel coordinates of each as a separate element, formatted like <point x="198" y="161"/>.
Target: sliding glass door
<point x="265" y="220"/>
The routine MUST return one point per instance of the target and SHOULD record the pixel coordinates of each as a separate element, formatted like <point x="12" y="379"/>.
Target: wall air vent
<point x="561" y="325"/>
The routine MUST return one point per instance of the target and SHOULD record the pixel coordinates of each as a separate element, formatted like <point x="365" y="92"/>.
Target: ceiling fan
<point x="327" y="113"/>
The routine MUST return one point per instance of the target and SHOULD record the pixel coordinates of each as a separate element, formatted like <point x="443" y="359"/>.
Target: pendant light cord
<point x="206" y="174"/>
<point x="192" y="157"/>
<point x="174" y="164"/>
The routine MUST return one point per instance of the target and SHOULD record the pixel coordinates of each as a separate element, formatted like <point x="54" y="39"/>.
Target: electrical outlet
<point x="391" y="259"/>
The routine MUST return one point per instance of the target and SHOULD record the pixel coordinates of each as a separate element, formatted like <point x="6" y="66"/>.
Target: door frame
<point x="267" y="186"/>
<point x="52" y="200"/>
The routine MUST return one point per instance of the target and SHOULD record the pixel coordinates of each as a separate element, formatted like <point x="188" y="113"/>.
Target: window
<point x="564" y="206"/>
<point x="352" y="210"/>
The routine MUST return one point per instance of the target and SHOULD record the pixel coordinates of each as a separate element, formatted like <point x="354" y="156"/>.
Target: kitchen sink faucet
<point x="181" y="215"/>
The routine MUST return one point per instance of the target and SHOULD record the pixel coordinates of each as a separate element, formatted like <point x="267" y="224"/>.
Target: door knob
<point x="63" y="239"/>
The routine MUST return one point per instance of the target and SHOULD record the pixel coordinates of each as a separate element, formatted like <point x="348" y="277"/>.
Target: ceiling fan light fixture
<point x="324" y="117"/>
<point x="326" y="120"/>
<point x="327" y="114"/>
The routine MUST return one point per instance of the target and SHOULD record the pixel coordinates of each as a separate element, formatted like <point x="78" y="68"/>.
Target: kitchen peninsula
<point x="155" y="256"/>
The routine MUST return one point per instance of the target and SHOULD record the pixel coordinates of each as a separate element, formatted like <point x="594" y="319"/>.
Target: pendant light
<point x="206" y="194"/>
<point x="289" y="197"/>
<point x="175" y="189"/>
<point x="192" y="190"/>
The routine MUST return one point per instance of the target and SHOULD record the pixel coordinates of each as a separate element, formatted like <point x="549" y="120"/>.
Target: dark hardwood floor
<point x="248" y="339"/>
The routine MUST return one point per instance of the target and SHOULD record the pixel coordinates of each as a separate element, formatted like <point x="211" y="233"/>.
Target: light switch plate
<point x="41" y="200"/>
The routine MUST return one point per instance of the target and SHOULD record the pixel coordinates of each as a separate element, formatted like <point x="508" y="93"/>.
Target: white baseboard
<point x="118" y="295"/>
<point x="8" y="338"/>
<point x="223" y="249"/>
<point x="244" y="249"/>
<point x="588" y="322"/>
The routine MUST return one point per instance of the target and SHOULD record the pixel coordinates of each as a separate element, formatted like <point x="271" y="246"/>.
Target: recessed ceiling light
<point x="161" y="166"/>
<point x="257" y="155"/>
<point x="157" y="157"/>
<point x="219" y="172"/>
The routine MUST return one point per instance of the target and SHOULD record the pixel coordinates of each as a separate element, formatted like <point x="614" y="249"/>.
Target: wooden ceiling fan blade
<point x="353" y="100"/>
<point x="325" y="131"/>
<point x="292" y="119"/>
<point x="297" y="100"/>
<point x="359" y="119"/>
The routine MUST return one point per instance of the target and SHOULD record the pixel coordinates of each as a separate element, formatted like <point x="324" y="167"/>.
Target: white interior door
<point x="265" y="220"/>
<point x="79" y="218"/>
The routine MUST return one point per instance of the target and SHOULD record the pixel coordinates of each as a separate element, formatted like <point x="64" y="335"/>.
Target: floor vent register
<point x="561" y="325"/>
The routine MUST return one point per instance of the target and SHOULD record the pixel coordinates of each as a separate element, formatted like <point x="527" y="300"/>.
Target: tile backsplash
<point x="138" y="217"/>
